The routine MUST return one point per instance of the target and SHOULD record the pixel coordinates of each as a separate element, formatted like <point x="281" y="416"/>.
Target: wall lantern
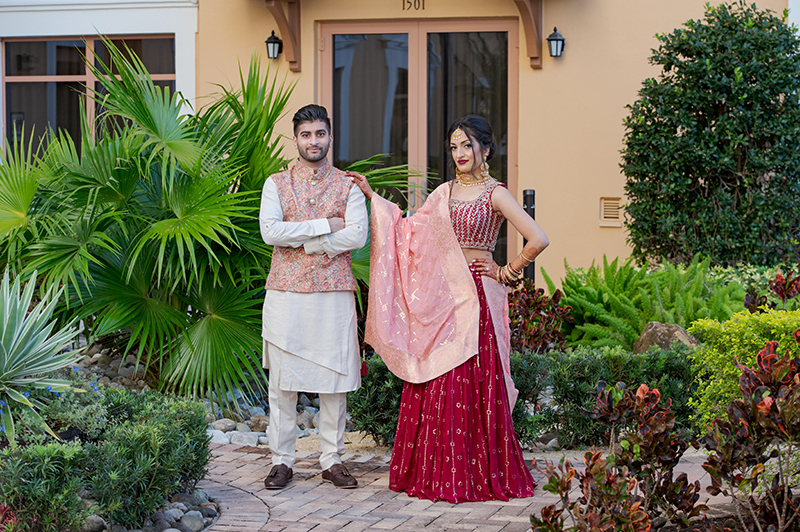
<point x="556" y="43"/>
<point x="275" y="46"/>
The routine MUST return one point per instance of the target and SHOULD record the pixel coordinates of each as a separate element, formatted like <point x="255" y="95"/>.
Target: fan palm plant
<point x="152" y="229"/>
<point x="29" y="349"/>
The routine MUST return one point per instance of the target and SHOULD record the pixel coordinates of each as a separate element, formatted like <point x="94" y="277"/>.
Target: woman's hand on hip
<point x="361" y="182"/>
<point x="486" y="267"/>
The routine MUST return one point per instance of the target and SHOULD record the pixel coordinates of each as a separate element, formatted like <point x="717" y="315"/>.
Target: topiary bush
<point x="725" y="344"/>
<point x="712" y="146"/>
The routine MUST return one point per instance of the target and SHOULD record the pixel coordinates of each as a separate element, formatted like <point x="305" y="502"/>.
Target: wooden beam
<point x="289" y="29"/>
<point x="531" y="14"/>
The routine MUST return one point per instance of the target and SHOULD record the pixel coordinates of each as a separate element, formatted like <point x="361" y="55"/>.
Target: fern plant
<point x="613" y="304"/>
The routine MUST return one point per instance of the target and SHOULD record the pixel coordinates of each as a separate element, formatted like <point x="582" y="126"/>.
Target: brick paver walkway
<point x="236" y="482"/>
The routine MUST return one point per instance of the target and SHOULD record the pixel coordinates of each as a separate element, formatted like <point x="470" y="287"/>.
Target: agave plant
<point x="152" y="227"/>
<point x="29" y="350"/>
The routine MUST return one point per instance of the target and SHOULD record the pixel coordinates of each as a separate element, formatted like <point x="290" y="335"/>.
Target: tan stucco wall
<point x="570" y="111"/>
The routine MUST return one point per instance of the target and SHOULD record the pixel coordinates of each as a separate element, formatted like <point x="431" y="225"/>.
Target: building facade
<point x="394" y="74"/>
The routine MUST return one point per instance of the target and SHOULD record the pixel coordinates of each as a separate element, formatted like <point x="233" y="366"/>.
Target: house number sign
<point x="416" y="5"/>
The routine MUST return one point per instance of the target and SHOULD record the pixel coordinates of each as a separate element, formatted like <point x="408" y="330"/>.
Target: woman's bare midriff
<point x="471" y="254"/>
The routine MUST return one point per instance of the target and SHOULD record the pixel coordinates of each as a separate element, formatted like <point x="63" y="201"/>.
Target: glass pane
<point x="158" y="55"/>
<point x="370" y="99"/>
<point x="42" y="107"/>
<point x="468" y="75"/>
<point x="45" y="58"/>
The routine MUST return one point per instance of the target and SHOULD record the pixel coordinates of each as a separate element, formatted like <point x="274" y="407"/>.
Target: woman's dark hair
<point x="479" y="131"/>
<point x="311" y="113"/>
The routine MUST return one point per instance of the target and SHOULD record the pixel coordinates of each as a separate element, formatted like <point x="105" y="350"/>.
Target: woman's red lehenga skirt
<point x="455" y="440"/>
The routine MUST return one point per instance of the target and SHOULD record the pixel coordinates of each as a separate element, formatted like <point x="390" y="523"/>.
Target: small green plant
<point x="30" y="349"/>
<point x="40" y="485"/>
<point x="375" y="406"/>
<point x="762" y="425"/>
<point x="724" y="344"/>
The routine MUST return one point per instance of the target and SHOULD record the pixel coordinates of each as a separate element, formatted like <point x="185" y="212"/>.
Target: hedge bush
<point x="724" y="343"/>
<point x="375" y="406"/>
<point x="143" y="449"/>
<point x="40" y="484"/>
<point x="574" y="375"/>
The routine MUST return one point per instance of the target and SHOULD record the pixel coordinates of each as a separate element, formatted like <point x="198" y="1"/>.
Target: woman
<point x="438" y="317"/>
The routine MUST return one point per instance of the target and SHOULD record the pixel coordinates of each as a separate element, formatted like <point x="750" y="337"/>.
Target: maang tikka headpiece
<point x="457" y="134"/>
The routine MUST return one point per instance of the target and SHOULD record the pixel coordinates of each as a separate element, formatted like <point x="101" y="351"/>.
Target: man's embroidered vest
<point x="305" y="196"/>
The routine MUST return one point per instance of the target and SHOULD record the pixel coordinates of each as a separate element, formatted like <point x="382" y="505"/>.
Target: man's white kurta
<point x="313" y="336"/>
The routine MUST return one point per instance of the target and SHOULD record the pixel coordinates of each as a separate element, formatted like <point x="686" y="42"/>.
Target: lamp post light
<point x="556" y="43"/>
<point x="274" y="46"/>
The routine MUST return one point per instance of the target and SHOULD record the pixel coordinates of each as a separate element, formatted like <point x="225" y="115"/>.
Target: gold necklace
<point x="470" y="180"/>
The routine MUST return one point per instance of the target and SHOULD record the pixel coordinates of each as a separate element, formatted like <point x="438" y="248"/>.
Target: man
<point x="314" y="217"/>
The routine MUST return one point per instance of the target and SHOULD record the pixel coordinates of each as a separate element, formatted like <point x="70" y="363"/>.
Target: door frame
<point x="417" y="30"/>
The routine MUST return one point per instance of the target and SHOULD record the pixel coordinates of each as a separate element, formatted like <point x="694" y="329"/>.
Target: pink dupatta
<point x="423" y="309"/>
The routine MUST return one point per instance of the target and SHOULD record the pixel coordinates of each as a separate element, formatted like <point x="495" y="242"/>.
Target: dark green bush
<point x="375" y="406"/>
<point x="155" y="446"/>
<point x="137" y="451"/>
<point x="575" y="373"/>
<point x="712" y="146"/>
<point x="40" y="484"/>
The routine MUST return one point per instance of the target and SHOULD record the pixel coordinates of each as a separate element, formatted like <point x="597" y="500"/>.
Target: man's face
<point x="312" y="141"/>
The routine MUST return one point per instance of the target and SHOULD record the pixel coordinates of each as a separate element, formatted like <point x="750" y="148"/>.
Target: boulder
<point x="259" y="423"/>
<point x="217" y="436"/>
<point x="662" y="335"/>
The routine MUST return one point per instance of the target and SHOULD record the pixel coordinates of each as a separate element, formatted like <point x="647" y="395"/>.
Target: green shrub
<point x="375" y="406"/>
<point x="712" y="146"/>
<point x="575" y="373"/>
<point x="725" y="343"/>
<point x="751" y="276"/>
<point x="157" y="447"/>
<point x="40" y="484"/>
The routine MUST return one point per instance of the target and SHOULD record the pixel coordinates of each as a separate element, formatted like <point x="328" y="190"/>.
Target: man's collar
<point x="308" y="173"/>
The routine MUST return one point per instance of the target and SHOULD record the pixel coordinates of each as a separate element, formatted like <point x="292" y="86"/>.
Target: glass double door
<point x="395" y="87"/>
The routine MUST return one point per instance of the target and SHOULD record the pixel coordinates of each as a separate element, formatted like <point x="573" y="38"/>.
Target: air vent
<point x="610" y="212"/>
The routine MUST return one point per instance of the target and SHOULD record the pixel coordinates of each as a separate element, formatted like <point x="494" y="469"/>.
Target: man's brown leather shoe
<point x="279" y="476"/>
<point x="338" y="475"/>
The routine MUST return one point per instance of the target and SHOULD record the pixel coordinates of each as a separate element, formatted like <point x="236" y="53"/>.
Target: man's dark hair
<point x="311" y="113"/>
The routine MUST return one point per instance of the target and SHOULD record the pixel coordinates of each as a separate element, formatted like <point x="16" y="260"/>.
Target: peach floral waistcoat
<point x="305" y="196"/>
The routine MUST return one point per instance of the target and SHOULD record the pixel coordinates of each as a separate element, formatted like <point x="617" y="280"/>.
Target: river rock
<point x="259" y="423"/>
<point x="94" y="523"/>
<point x="256" y="411"/>
<point x="305" y="419"/>
<point x="187" y="499"/>
<point x="263" y="440"/>
<point x="118" y="528"/>
<point x="194" y="522"/>
<point x="243" y="427"/>
<point x="224" y="424"/>
<point x="662" y="335"/>
<point x="174" y="513"/>
<point x="249" y="439"/>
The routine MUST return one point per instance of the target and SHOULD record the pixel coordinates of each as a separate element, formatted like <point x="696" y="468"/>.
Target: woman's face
<point x="466" y="154"/>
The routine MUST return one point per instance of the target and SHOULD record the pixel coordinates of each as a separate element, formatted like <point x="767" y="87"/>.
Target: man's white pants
<point x="283" y="422"/>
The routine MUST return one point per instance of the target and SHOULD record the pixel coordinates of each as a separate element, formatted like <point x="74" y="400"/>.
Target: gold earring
<point x="485" y="170"/>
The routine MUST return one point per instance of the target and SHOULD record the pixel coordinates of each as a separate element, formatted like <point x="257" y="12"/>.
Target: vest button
<point x="312" y="201"/>
<point x="313" y="267"/>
